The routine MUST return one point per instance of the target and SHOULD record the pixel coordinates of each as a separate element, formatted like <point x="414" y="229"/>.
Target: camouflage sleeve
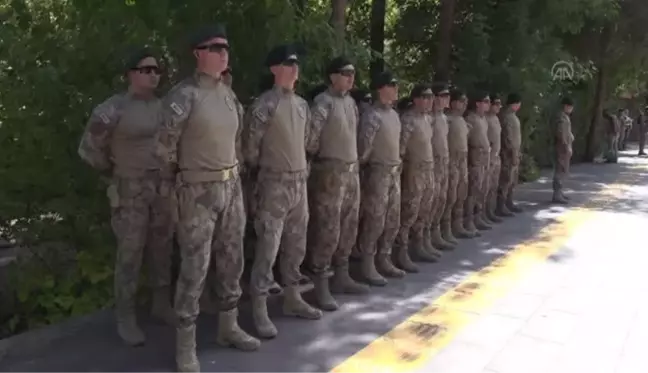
<point x="239" y="130"/>
<point x="256" y="122"/>
<point x="407" y="127"/>
<point x="176" y="107"/>
<point x="563" y="134"/>
<point x="369" y="124"/>
<point x="94" y="148"/>
<point x="319" y="115"/>
<point x="505" y="136"/>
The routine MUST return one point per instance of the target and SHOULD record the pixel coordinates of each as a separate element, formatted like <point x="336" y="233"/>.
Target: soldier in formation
<point x="119" y="141"/>
<point x="320" y="179"/>
<point x="642" y="128"/>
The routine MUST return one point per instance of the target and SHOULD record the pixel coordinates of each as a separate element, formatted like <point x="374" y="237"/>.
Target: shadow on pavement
<point x="91" y="343"/>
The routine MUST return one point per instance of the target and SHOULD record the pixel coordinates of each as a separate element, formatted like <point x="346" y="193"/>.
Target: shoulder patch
<point x="177" y="108"/>
<point x="104" y="118"/>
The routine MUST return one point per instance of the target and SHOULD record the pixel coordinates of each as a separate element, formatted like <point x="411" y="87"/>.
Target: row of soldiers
<point x="368" y="182"/>
<point x="618" y="129"/>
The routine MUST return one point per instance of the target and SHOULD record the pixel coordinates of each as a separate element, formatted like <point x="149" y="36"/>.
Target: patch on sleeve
<point x="177" y="108"/>
<point x="104" y="118"/>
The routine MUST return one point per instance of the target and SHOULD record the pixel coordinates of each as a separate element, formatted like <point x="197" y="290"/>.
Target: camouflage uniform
<point x="334" y="193"/>
<point x="613" y="129"/>
<point x="510" y="155"/>
<point x="478" y="161"/>
<point x="495" y="167"/>
<point x="417" y="188"/>
<point x="378" y="151"/>
<point x="275" y="143"/>
<point x="642" y="127"/>
<point x="202" y="137"/>
<point x="458" y="175"/>
<point x="563" y="152"/>
<point x="120" y="139"/>
<point x="440" y="146"/>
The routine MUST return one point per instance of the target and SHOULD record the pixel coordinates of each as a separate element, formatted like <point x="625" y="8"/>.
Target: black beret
<point x="338" y="64"/>
<point x="135" y="56"/>
<point x="568" y="101"/>
<point x="456" y="94"/>
<point x="206" y="33"/>
<point x="281" y="54"/>
<point x="440" y="88"/>
<point x="513" y="98"/>
<point x="478" y="96"/>
<point x="382" y="79"/>
<point x="421" y="90"/>
<point x="495" y="97"/>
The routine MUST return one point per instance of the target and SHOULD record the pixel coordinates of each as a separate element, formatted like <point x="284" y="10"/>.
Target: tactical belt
<point x="392" y="169"/>
<point x="419" y="165"/>
<point x="202" y="176"/>
<point x="267" y="173"/>
<point x="337" y="164"/>
<point x="135" y="173"/>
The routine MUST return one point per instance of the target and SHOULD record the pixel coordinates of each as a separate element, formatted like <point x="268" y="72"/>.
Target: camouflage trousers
<point x="642" y="137"/>
<point x="494" y="170"/>
<point x="612" y="146"/>
<point x="478" y="160"/>
<point x="416" y="202"/>
<point x="334" y="200"/>
<point x="210" y="231"/>
<point x="281" y="224"/>
<point x="561" y="168"/>
<point x="142" y="221"/>
<point x="379" y="209"/>
<point x="441" y="167"/>
<point x="457" y="186"/>
<point x="508" y="174"/>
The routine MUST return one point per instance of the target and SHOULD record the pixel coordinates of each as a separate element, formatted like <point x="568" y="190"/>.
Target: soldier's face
<point x="214" y="54"/>
<point x="287" y="72"/>
<point x="459" y="105"/>
<point x="389" y="92"/>
<point x="343" y="80"/>
<point x="424" y="102"/>
<point x="146" y="75"/>
<point x="496" y="106"/>
<point x="442" y="101"/>
<point x="569" y="109"/>
<point x="483" y="105"/>
<point x="515" y="107"/>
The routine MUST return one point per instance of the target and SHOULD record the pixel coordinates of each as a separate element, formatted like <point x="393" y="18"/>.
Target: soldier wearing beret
<point x="119" y="141"/>
<point x="478" y="161"/>
<point x="201" y="137"/>
<point x="458" y="169"/>
<point x="334" y="185"/>
<point x="495" y="167"/>
<point x="274" y="146"/>
<point x="510" y="154"/>
<point x="417" y="179"/>
<point x="564" y="139"/>
<point x="379" y="154"/>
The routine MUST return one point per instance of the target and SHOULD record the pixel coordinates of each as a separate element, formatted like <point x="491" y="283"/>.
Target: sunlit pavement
<point x="583" y="309"/>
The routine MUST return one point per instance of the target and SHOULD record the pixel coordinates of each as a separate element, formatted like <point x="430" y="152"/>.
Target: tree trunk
<point x="377" y="36"/>
<point x="445" y="39"/>
<point x="338" y="18"/>
<point x="599" y="99"/>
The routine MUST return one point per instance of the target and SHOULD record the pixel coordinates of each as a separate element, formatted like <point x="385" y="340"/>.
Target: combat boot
<point x="459" y="231"/>
<point x="512" y="206"/>
<point x="403" y="260"/>
<point x="424" y="253"/>
<point x="438" y="241"/>
<point x="490" y="214"/>
<point x="161" y="309"/>
<point x="501" y="209"/>
<point x="446" y="233"/>
<point x="370" y="273"/>
<point x="480" y="223"/>
<point x="387" y="268"/>
<point x="342" y="283"/>
<point x="264" y="326"/>
<point x="230" y="333"/>
<point x="294" y="305"/>
<point x="325" y="300"/>
<point x="559" y="199"/>
<point x="186" y="359"/>
<point x="129" y="331"/>
<point x="469" y="224"/>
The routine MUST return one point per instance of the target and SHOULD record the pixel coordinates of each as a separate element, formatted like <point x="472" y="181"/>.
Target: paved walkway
<point x="553" y="290"/>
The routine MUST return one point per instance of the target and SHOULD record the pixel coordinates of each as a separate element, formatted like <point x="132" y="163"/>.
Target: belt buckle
<point x="227" y="174"/>
<point x="352" y="167"/>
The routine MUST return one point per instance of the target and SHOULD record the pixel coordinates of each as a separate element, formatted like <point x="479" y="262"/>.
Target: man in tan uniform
<point x="119" y="140"/>
<point x="417" y="179"/>
<point x="334" y="185"/>
<point x="440" y="146"/>
<point x="495" y="167"/>
<point x="478" y="161"/>
<point x="564" y="139"/>
<point x="458" y="169"/>
<point x="274" y="146"/>
<point x="379" y="154"/>
<point x="201" y="137"/>
<point x="510" y="155"/>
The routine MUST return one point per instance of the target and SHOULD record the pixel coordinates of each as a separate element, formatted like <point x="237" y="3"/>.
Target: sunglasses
<point x="147" y="70"/>
<point x="486" y="101"/>
<point x="214" y="48"/>
<point x="347" y="73"/>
